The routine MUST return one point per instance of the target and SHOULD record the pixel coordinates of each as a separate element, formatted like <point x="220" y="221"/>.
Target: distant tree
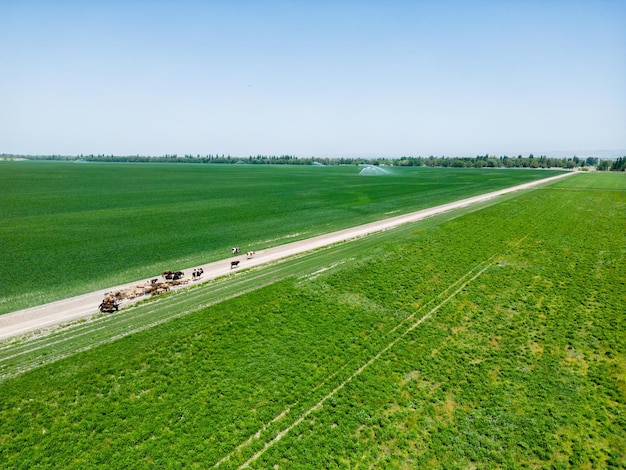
<point x="619" y="164"/>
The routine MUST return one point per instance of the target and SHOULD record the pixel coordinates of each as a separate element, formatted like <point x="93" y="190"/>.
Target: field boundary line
<point x="374" y="358"/>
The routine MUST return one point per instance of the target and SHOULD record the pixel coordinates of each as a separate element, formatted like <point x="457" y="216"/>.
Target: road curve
<point x="66" y="310"/>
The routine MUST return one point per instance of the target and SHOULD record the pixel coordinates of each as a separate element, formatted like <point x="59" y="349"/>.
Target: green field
<point x="490" y="337"/>
<point x="68" y="228"/>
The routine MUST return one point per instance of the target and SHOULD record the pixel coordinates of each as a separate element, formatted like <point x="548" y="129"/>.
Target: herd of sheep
<point x="153" y="287"/>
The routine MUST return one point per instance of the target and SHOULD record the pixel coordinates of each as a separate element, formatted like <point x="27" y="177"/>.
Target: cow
<point x="235" y="250"/>
<point x="250" y="254"/>
<point x="234" y="264"/>
<point x="197" y="273"/>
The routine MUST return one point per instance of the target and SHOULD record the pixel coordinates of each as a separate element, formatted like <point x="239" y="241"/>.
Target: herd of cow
<point x="112" y="300"/>
<point x="152" y="287"/>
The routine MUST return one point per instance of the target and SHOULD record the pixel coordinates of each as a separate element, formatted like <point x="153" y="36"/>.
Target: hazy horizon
<point x="313" y="79"/>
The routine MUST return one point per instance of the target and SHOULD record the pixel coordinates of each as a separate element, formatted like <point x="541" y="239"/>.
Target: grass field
<point x="68" y="228"/>
<point x="489" y="338"/>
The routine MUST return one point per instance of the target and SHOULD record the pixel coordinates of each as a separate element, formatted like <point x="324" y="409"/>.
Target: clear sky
<point x="312" y="78"/>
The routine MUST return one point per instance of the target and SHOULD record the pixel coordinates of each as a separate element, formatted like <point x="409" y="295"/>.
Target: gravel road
<point x="86" y="305"/>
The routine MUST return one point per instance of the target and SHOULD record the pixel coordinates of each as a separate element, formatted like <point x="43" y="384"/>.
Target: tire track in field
<point x="457" y="285"/>
<point x="377" y="356"/>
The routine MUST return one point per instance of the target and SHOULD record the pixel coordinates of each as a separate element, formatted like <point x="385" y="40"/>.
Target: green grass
<point x="487" y="338"/>
<point x="67" y="228"/>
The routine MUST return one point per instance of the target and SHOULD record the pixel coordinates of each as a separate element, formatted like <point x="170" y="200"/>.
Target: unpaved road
<point x="63" y="311"/>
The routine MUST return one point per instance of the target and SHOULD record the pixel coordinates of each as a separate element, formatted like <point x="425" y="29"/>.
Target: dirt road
<point x="63" y="311"/>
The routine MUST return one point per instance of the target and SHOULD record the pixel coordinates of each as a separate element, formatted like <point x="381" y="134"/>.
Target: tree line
<point x="480" y="161"/>
<point x="618" y="164"/>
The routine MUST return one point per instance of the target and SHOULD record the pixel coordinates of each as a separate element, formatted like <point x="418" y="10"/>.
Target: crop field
<point x="68" y="228"/>
<point x="490" y="337"/>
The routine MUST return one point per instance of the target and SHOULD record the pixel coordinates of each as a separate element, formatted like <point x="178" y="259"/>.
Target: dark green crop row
<point x="492" y="340"/>
<point x="68" y="228"/>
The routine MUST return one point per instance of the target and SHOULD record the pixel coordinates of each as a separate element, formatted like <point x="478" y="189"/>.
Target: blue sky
<point x="318" y="78"/>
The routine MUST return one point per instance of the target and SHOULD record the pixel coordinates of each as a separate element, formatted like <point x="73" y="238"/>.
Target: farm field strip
<point x="39" y="314"/>
<point x="71" y="229"/>
<point x="458" y="286"/>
